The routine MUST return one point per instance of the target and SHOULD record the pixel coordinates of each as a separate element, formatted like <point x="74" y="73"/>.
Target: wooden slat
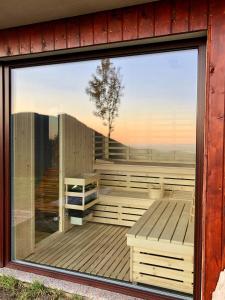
<point x="114" y="25"/>
<point x="162" y="272"/>
<point x="135" y="229"/>
<point x="72" y="33"/>
<point x="168" y="231"/>
<point x="125" y="268"/>
<point x="117" y="262"/>
<point x="164" y="283"/>
<point x="3" y="43"/>
<point x="86" y="240"/>
<point x="113" y="221"/>
<point x="102" y="207"/>
<point x="162" y="261"/>
<point x="100" y="28"/>
<point x="121" y="266"/>
<point x="198" y="15"/>
<point x="25" y="40"/>
<point x="36" y="38"/>
<point x="130" y="23"/>
<point x="111" y="252"/>
<point x="182" y="224"/>
<point x="47" y="36"/>
<point x="163" y="17"/>
<point x="60" y="34"/>
<point x="86" y="30"/>
<point x="162" y="222"/>
<point x="84" y="257"/>
<point x="130" y="217"/>
<point x="13" y="42"/>
<point x="145" y="231"/>
<point x="104" y="214"/>
<point x="99" y="265"/>
<point x="56" y="246"/>
<point x="146" y="20"/>
<point x="180" y="16"/>
<point x="189" y="237"/>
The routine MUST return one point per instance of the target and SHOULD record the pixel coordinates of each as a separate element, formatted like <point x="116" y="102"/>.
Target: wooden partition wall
<point x="165" y="19"/>
<point x="76" y="155"/>
<point x="23" y="184"/>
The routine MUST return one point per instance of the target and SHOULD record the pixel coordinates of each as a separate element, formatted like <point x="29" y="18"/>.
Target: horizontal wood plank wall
<point x="155" y="19"/>
<point x="142" y="21"/>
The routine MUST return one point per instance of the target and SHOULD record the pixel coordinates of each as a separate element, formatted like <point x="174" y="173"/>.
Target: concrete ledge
<point x="87" y="292"/>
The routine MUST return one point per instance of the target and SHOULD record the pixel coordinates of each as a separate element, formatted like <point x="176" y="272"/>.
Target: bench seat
<point x="162" y="246"/>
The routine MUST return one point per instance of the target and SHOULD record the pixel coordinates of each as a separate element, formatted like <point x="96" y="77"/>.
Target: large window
<point x="103" y="167"/>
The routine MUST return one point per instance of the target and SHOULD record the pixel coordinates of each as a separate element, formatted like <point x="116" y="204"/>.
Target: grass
<point x="12" y="288"/>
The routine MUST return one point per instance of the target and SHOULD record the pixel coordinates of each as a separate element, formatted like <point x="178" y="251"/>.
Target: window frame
<point x="5" y="198"/>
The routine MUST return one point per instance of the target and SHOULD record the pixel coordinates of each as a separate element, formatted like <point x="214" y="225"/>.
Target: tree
<point x="105" y="91"/>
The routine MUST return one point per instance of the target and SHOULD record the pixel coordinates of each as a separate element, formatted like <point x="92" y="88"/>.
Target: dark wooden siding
<point x="143" y="21"/>
<point x="163" y="18"/>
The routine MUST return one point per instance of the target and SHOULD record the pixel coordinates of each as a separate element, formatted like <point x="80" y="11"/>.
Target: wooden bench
<point x="124" y="196"/>
<point x="162" y="246"/>
<point x="120" y="207"/>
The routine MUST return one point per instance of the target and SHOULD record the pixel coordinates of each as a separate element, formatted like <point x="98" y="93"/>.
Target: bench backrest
<point x="140" y="177"/>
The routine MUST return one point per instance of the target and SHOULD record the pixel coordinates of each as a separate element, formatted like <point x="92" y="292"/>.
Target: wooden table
<point x="162" y="246"/>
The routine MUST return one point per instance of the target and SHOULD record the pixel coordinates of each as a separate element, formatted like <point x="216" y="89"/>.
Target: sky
<point x="158" y="106"/>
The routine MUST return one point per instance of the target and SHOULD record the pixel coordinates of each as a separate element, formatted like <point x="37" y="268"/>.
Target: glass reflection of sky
<point x="158" y="108"/>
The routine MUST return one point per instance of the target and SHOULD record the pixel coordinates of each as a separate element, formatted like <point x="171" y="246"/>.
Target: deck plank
<point x="92" y="248"/>
<point x="149" y="225"/>
<point x="146" y="216"/>
<point x="162" y="222"/>
<point x="180" y="231"/>
<point x="168" y="231"/>
<point x="63" y="249"/>
<point x="189" y="237"/>
<point x="110" y="257"/>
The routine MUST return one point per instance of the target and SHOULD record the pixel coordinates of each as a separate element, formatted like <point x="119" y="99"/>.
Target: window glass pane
<point x="103" y="167"/>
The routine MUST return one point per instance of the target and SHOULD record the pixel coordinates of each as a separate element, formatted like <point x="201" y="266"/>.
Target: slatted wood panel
<point x="126" y="207"/>
<point x="162" y="246"/>
<point x="123" y="208"/>
<point x="142" y="21"/>
<point x="92" y="248"/>
<point x="140" y="178"/>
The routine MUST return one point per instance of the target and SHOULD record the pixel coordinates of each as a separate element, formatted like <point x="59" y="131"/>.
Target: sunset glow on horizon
<point x="158" y="106"/>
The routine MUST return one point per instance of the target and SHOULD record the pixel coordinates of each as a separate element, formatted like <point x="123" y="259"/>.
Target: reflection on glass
<point x="103" y="174"/>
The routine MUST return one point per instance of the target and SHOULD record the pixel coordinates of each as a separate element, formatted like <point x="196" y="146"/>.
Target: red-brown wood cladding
<point x="115" y="26"/>
<point x="214" y="222"/>
<point x="73" y="33"/>
<point x="100" y="28"/>
<point x="60" y="35"/>
<point x="198" y="14"/>
<point x="130" y="23"/>
<point x="35" y="38"/>
<point x="142" y="21"/>
<point x="180" y="16"/>
<point x="146" y="21"/>
<point x="155" y="19"/>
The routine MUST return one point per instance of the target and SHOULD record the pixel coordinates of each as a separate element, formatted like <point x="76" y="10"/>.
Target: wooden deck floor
<point x="96" y="249"/>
